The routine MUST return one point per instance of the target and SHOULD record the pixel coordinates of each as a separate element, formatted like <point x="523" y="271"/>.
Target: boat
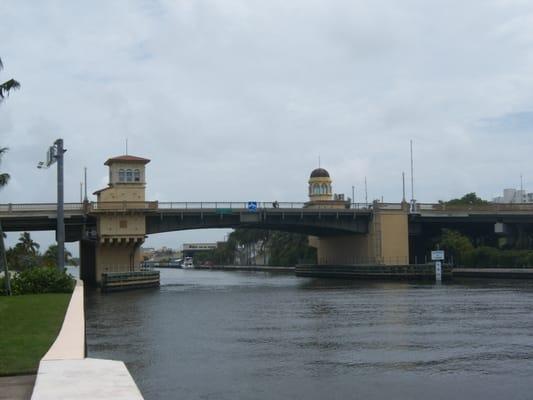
<point x="187" y="263"/>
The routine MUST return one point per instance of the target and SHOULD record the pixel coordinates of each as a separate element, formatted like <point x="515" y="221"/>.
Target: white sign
<point x="437" y="255"/>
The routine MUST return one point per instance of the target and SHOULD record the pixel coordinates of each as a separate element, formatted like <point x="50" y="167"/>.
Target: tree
<point x="467" y="199"/>
<point x="50" y="256"/>
<point x="455" y="244"/>
<point x="7" y="86"/>
<point x="4" y="176"/>
<point x="25" y="254"/>
<point x="27" y="244"/>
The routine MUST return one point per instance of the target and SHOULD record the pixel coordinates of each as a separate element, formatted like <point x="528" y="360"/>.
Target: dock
<point x="372" y="271"/>
<point x="494" y="273"/>
<point x="114" y="281"/>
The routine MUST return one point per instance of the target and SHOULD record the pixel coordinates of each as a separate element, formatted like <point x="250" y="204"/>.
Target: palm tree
<point x="5" y="88"/>
<point x="8" y="85"/>
<point x="50" y="256"/>
<point x="4" y="177"/>
<point x="27" y="244"/>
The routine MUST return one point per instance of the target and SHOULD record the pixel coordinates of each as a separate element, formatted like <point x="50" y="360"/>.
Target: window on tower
<point x="136" y="175"/>
<point x="129" y="175"/>
<point x="121" y="175"/>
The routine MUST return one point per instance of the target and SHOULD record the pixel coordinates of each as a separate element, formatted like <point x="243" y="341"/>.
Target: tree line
<point x="280" y="248"/>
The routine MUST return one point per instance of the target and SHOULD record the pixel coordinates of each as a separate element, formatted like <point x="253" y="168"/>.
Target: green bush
<point x="492" y="257"/>
<point x="42" y="280"/>
<point x="2" y="286"/>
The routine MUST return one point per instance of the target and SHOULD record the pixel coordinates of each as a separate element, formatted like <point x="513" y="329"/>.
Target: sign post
<point x="438" y="257"/>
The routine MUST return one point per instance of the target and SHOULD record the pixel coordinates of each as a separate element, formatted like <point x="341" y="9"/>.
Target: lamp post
<point x="55" y="154"/>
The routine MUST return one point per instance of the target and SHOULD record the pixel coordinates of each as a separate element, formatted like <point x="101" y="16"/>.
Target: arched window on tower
<point x="121" y="175"/>
<point x="129" y="175"/>
<point x="324" y="189"/>
<point x="136" y="175"/>
<point x="316" y="189"/>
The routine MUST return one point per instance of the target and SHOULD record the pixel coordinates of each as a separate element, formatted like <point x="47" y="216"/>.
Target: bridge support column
<point x="386" y="243"/>
<point x="88" y="262"/>
<point x="117" y="256"/>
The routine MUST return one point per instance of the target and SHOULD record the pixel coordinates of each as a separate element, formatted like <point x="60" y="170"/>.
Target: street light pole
<point x="55" y="154"/>
<point x="60" y="232"/>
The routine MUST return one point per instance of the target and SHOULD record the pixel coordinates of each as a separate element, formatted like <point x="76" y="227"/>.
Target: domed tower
<point x="320" y="185"/>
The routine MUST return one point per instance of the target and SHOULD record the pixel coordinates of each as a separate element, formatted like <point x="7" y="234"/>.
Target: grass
<point x="29" y="325"/>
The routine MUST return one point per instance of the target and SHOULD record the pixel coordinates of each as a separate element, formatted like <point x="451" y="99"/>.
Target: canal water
<point x="251" y="335"/>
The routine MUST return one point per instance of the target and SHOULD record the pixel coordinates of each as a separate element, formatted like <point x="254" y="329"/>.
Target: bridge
<point x="112" y="229"/>
<point x="81" y="218"/>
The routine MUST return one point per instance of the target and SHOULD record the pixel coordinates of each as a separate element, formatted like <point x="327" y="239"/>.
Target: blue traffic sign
<point x="252" y="206"/>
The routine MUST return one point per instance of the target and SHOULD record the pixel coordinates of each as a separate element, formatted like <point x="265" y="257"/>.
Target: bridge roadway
<point x="80" y="218"/>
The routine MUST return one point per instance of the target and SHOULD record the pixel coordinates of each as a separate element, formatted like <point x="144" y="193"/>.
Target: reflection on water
<point x="251" y="335"/>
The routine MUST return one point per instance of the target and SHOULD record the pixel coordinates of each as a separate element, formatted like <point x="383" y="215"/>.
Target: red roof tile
<point x="127" y="158"/>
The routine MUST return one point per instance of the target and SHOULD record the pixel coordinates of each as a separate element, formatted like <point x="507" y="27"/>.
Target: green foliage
<point x="455" y="244"/>
<point x="7" y="86"/>
<point x="288" y="249"/>
<point x="465" y="254"/>
<point x="284" y="249"/>
<point x="484" y="256"/>
<point x="42" y="280"/>
<point x="49" y="259"/>
<point x="467" y="199"/>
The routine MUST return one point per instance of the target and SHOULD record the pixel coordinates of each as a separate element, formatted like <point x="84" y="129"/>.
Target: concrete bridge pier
<point x="386" y="243"/>
<point x="88" y="261"/>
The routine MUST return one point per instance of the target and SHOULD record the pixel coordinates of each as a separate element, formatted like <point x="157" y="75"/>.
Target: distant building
<point x="514" y="196"/>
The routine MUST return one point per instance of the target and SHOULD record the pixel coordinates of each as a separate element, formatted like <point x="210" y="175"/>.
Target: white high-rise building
<point x="514" y="196"/>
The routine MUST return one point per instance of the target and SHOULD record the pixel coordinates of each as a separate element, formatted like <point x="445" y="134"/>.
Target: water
<point x="231" y="335"/>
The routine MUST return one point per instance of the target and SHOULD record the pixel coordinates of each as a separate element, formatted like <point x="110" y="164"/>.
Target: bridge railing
<point x="261" y="205"/>
<point x="240" y="205"/>
<point x="490" y="207"/>
<point x="21" y="207"/>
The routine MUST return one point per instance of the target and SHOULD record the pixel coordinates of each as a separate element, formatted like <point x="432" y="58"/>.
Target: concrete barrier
<point x="65" y="373"/>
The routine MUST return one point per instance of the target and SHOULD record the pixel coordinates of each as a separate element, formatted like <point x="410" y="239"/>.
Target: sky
<point x="236" y="100"/>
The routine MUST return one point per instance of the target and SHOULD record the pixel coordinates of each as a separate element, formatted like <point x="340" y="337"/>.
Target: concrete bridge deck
<point x="173" y="216"/>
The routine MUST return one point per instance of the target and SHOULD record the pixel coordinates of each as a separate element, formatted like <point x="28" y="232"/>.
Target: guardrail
<point x="162" y="206"/>
<point x="260" y="205"/>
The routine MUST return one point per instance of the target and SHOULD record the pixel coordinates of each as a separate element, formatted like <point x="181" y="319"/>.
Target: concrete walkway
<point x="16" y="387"/>
<point x="65" y="374"/>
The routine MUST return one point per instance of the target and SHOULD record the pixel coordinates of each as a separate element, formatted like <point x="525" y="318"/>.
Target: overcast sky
<point x="236" y="100"/>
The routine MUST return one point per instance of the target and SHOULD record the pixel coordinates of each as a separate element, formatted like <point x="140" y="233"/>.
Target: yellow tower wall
<point x="120" y="257"/>
<point x="386" y="243"/>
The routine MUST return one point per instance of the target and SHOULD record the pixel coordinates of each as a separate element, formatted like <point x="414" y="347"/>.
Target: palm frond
<point x="7" y="86"/>
<point x="1" y="65"/>
<point x="4" y="178"/>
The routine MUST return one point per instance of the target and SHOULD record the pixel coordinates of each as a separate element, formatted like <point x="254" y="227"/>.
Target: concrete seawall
<point x="65" y="373"/>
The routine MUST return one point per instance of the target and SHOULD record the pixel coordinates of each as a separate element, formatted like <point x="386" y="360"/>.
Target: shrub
<point x="42" y="280"/>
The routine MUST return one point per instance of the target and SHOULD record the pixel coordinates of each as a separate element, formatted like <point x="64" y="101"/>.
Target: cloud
<point x="236" y="100"/>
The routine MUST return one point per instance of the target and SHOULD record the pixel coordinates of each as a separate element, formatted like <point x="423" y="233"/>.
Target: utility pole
<point x="412" y="178"/>
<point x="366" y="193"/>
<point x="353" y="194"/>
<point x="403" y="187"/>
<point x="85" y="199"/>
<point x="55" y="154"/>
<point x="60" y="207"/>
